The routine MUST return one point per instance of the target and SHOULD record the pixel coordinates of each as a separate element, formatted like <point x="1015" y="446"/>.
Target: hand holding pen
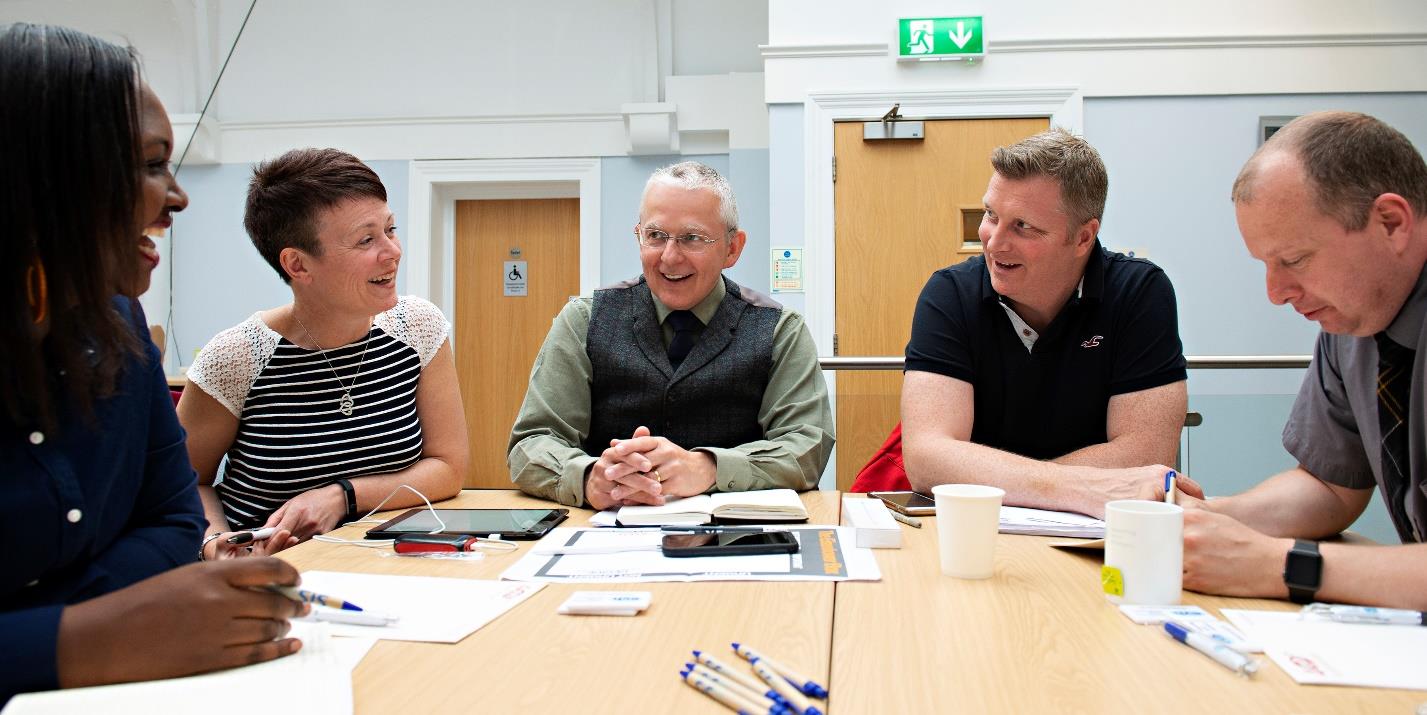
<point x="193" y="619"/>
<point x="264" y="541"/>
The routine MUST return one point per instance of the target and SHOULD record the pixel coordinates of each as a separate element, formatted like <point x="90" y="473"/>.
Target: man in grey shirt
<point x="678" y="382"/>
<point x="1335" y="205"/>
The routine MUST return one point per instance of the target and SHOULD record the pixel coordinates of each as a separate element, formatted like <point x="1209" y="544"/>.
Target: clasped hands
<point x="645" y="469"/>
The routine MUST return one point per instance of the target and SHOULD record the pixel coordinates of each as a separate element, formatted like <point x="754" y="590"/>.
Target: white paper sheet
<point x="1329" y="653"/>
<point x="1040" y="522"/>
<point x="435" y="610"/>
<point x="826" y="553"/>
<point x="316" y="680"/>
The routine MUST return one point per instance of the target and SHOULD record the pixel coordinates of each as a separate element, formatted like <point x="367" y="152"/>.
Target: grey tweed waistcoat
<point x="712" y="400"/>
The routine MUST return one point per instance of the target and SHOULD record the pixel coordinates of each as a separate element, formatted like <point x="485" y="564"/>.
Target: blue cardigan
<point x="89" y="509"/>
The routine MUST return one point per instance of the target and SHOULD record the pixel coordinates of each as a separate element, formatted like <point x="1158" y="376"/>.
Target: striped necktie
<point x="1394" y="384"/>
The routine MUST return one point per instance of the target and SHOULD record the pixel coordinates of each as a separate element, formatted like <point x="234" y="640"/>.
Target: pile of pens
<point x="777" y="690"/>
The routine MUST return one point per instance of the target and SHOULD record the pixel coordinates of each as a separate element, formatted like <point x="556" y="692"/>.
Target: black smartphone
<point x="909" y="503"/>
<point x="730" y="543"/>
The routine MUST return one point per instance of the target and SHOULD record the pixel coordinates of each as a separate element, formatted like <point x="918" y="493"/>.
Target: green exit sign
<point x="941" y="38"/>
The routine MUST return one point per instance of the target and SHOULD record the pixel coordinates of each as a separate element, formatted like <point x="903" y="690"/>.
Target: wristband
<point x="351" y="495"/>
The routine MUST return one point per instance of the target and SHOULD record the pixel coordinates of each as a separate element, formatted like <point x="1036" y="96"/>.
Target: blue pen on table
<point x="763" y="698"/>
<point x="1366" y="614"/>
<point x="734" y="699"/>
<point x="795" y="699"/>
<point x="1169" y="486"/>
<point x="724" y="671"/>
<point x="305" y="596"/>
<point x="1222" y="654"/>
<point x="807" y="687"/>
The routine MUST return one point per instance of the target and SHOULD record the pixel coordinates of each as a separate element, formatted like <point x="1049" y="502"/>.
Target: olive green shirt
<point x="544" y="454"/>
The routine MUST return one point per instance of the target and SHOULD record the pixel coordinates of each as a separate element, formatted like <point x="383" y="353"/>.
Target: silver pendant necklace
<point x="344" y="405"/>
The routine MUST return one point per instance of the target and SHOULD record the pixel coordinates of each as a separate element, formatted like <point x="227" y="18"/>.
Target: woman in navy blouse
<point x="99" y="517"/>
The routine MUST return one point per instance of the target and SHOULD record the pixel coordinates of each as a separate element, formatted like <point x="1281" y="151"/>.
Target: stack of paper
<point x="1039" y="522"/>
<point x="1317" y="652"/>
<point x="431" y="609"/>
<point x="767" y="505"/>
<point x="317" y="680"/>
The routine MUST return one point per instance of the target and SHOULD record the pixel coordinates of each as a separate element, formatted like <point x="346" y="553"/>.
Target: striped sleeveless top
<point x="292" y="435"/>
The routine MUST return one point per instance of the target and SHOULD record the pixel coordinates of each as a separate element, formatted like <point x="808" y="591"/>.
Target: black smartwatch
<point x="351" y="495"/>
<point x="1303" y="571"/>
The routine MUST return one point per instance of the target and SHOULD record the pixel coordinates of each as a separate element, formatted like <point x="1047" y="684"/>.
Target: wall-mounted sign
<point x="941" y="38"/>
<point x="786" y="269"/>
<point x="516" y="279"/>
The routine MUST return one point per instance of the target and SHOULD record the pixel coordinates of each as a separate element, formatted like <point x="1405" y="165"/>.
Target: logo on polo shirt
<point x="1093" y="342"/>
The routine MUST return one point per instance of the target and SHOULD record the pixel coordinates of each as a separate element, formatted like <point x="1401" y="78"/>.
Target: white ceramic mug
<point x="1144" y="552"/>
<point x="967" y="519"/>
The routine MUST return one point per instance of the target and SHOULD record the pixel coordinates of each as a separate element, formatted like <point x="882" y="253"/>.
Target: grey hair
<point x="694" y="175"/>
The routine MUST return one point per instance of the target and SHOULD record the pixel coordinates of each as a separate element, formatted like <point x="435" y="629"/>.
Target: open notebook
<point x="757" y="506"/>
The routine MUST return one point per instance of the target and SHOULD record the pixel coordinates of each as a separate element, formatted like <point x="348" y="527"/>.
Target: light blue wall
<point x="1172" y="161"/>
<point x="786" y="217"/>
<point x="218" y="277"/>
<point x="622" y="181"/>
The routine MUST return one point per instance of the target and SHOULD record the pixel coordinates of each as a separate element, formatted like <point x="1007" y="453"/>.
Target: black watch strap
<point x="351" y="493"/>
<point x="1303" y="571"/>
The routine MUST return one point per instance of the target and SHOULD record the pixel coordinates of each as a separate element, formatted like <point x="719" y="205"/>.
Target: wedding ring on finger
<point x="658" y="477"/>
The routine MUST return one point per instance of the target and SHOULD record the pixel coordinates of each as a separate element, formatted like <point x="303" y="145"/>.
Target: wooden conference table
<point x="1037" y="637"/>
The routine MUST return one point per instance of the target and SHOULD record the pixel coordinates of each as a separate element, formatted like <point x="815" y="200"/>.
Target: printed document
<point x="1318" y="652"/>
<point x="825" y="553"/>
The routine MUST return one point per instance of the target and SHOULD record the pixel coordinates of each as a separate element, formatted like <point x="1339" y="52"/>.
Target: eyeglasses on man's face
<point x="651" y="237"/>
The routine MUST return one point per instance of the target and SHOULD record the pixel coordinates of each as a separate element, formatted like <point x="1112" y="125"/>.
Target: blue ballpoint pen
<point x="1169" y="477"/>
<point x="1222" y="654"/>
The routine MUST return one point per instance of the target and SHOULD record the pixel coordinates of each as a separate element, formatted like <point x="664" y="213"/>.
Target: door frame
<point x="434" y="187"/>
<point x="1064" y="105"/>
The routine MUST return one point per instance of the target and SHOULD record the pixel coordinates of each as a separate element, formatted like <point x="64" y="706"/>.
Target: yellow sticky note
<point x="1112" y="580"/>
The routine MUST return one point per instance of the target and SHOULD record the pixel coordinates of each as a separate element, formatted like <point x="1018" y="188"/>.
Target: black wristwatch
<point x="1303" y="571"/>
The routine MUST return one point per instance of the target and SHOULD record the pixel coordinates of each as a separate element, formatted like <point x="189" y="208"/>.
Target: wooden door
<point x="497" y="336"/>
<point x="903" y="209"/>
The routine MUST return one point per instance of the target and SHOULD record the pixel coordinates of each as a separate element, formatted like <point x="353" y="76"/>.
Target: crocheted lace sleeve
<point x="229" y="364"/>
<point x="418" y="323"/>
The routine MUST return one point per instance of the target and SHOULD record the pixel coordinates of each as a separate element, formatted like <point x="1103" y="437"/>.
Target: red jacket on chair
<point x="884" y="472"/>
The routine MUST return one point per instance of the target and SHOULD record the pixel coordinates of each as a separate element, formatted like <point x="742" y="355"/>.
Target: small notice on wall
<point x="787" y="270"/>
<point x="516" y="278"/>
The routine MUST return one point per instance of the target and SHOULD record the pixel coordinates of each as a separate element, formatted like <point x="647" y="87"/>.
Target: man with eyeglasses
<point x="676" y="383"/>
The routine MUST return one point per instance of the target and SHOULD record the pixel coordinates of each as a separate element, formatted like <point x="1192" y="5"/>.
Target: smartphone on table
<point x="909" y="503"/>
<point x="729" y="543"/>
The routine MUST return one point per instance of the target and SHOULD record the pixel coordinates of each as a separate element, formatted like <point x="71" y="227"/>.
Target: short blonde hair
<point x="1068" y="159"/>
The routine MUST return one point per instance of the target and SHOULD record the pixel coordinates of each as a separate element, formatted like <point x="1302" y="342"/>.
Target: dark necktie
<point x="686" y="331"/>
<point x="1394" y="383"/>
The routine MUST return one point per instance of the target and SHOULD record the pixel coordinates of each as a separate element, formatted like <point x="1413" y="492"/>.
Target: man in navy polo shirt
<point x="1048" y="367"/>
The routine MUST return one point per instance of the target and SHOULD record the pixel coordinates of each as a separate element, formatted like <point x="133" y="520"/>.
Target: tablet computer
<point x="504" y="523"/>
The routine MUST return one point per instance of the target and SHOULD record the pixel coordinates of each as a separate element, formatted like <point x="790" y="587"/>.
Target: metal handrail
<point x="1195" y="362"/>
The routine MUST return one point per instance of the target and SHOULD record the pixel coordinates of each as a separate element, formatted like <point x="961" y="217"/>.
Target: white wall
<point x="1108" y="48"/>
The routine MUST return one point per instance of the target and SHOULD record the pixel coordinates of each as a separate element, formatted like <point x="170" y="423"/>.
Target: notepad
<point x="317" y="680"/>
<point x="780" y="505"/>
<point x="1040" y="522"/>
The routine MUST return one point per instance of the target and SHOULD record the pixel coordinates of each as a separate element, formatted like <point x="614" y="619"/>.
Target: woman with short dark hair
<point x="325" y="406"/>
<point x="98" y="510"/>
